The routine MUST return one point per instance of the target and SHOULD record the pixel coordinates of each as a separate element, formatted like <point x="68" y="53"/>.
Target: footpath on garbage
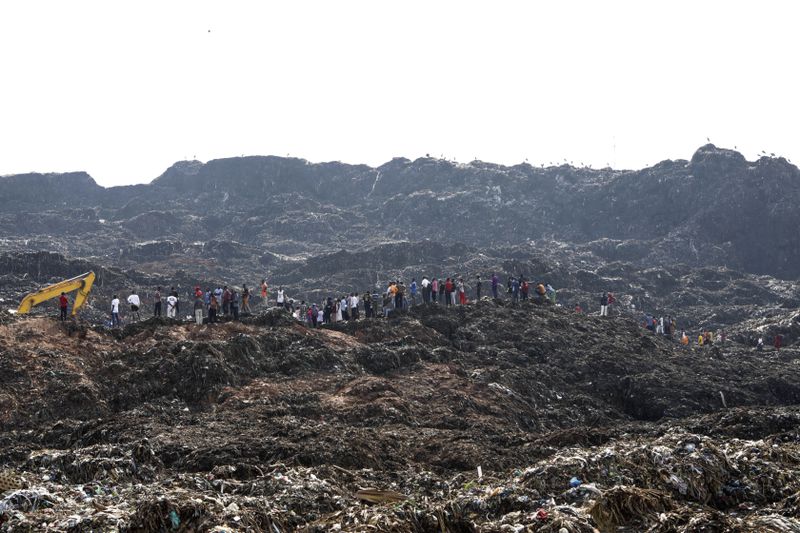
<point x="488" y="417"/>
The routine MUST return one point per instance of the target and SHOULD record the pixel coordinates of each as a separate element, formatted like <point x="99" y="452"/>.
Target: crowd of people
<point x="209" y="306"/>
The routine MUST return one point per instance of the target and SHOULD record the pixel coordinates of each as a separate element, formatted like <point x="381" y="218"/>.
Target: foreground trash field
<point x="486" y="418"/>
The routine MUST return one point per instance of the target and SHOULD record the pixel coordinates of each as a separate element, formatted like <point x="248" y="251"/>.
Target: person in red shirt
<point x="63" y="302"/>
<point x="778" y="342"/>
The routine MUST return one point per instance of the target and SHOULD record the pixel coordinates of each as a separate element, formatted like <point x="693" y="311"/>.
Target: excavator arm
<point x="82" y="284"/>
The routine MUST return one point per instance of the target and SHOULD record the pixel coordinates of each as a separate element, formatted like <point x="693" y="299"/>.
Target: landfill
<point x="490" y="417"/>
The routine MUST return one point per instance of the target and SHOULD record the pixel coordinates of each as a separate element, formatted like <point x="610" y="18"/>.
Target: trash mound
<point x="577" y="424"/>
<point x="136" y="328"/>
<point x="626" y="506"/>
<point x="161" y="514"/>
<point x="134" y="486"/>
<point x="275" y="317"/>
<point x="689" y="468"/>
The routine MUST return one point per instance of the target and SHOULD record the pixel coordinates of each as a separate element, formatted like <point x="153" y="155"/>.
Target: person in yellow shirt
<point x="700" y="340"/>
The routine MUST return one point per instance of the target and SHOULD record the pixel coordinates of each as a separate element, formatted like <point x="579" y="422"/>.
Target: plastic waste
<point x="174" y="519"/>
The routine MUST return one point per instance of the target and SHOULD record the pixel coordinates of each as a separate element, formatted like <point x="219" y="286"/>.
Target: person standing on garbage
<point x="218" y="294"/>
<point x="426" y="290"/>
<point x="495" y="284"/>
<point x="63" y="303"/>
<point x="157" y="302"/>
<point x="337" y="311"/>
<point x="551" y="293"/>
<point x="115" y="312"/>
<point x="245" y="299"/>
<point x="235" y="304"/>
<point x="541" y="293"/>
<point x="172" y="305"/>
<point x="604" y="304"/>
<point x="448" y="289"/>
<point x="368" y="305"/>
<point x="213" y="309"/>
<point x="387" y="304"/>
<point x="134" y="302"/>
<point x="198" y="310"/>
<point x="412" y="291"/>
<point x="174" y="292"/>
<point x="264" y="290"/>
<point x="226" y="301"/>
<point x="478" y="284"/>
<point x="778" y="342"/>
<point x="399" y="294"/>
<point x="281" y="297"/>
<point x="462" y="292"/>
<point x="434" y="290"/>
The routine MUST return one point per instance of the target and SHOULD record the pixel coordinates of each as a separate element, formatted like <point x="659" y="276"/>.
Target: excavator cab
<point x="82" y="284"/>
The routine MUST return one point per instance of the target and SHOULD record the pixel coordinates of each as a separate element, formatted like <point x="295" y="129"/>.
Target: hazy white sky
<point x="124" y="90"/>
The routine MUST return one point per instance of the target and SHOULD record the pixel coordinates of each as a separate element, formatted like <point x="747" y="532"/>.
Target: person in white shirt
<point x="281" y="297"/>
<point x="426" y="290"/>
<point x="115" y="312"/>
<point x="172" y="302"/>
<point x="133" y="299"/>
<point x="353" y="306"/>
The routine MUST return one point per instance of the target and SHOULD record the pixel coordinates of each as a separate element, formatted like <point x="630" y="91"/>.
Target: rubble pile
<point x="489" y="417"/>
<point x="714" y="210"/>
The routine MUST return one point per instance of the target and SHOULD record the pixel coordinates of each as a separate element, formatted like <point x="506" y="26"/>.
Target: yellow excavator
<point x="82" y="284"/>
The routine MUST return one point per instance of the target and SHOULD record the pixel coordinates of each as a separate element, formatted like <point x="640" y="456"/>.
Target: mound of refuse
<point x="488" y="417"/>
